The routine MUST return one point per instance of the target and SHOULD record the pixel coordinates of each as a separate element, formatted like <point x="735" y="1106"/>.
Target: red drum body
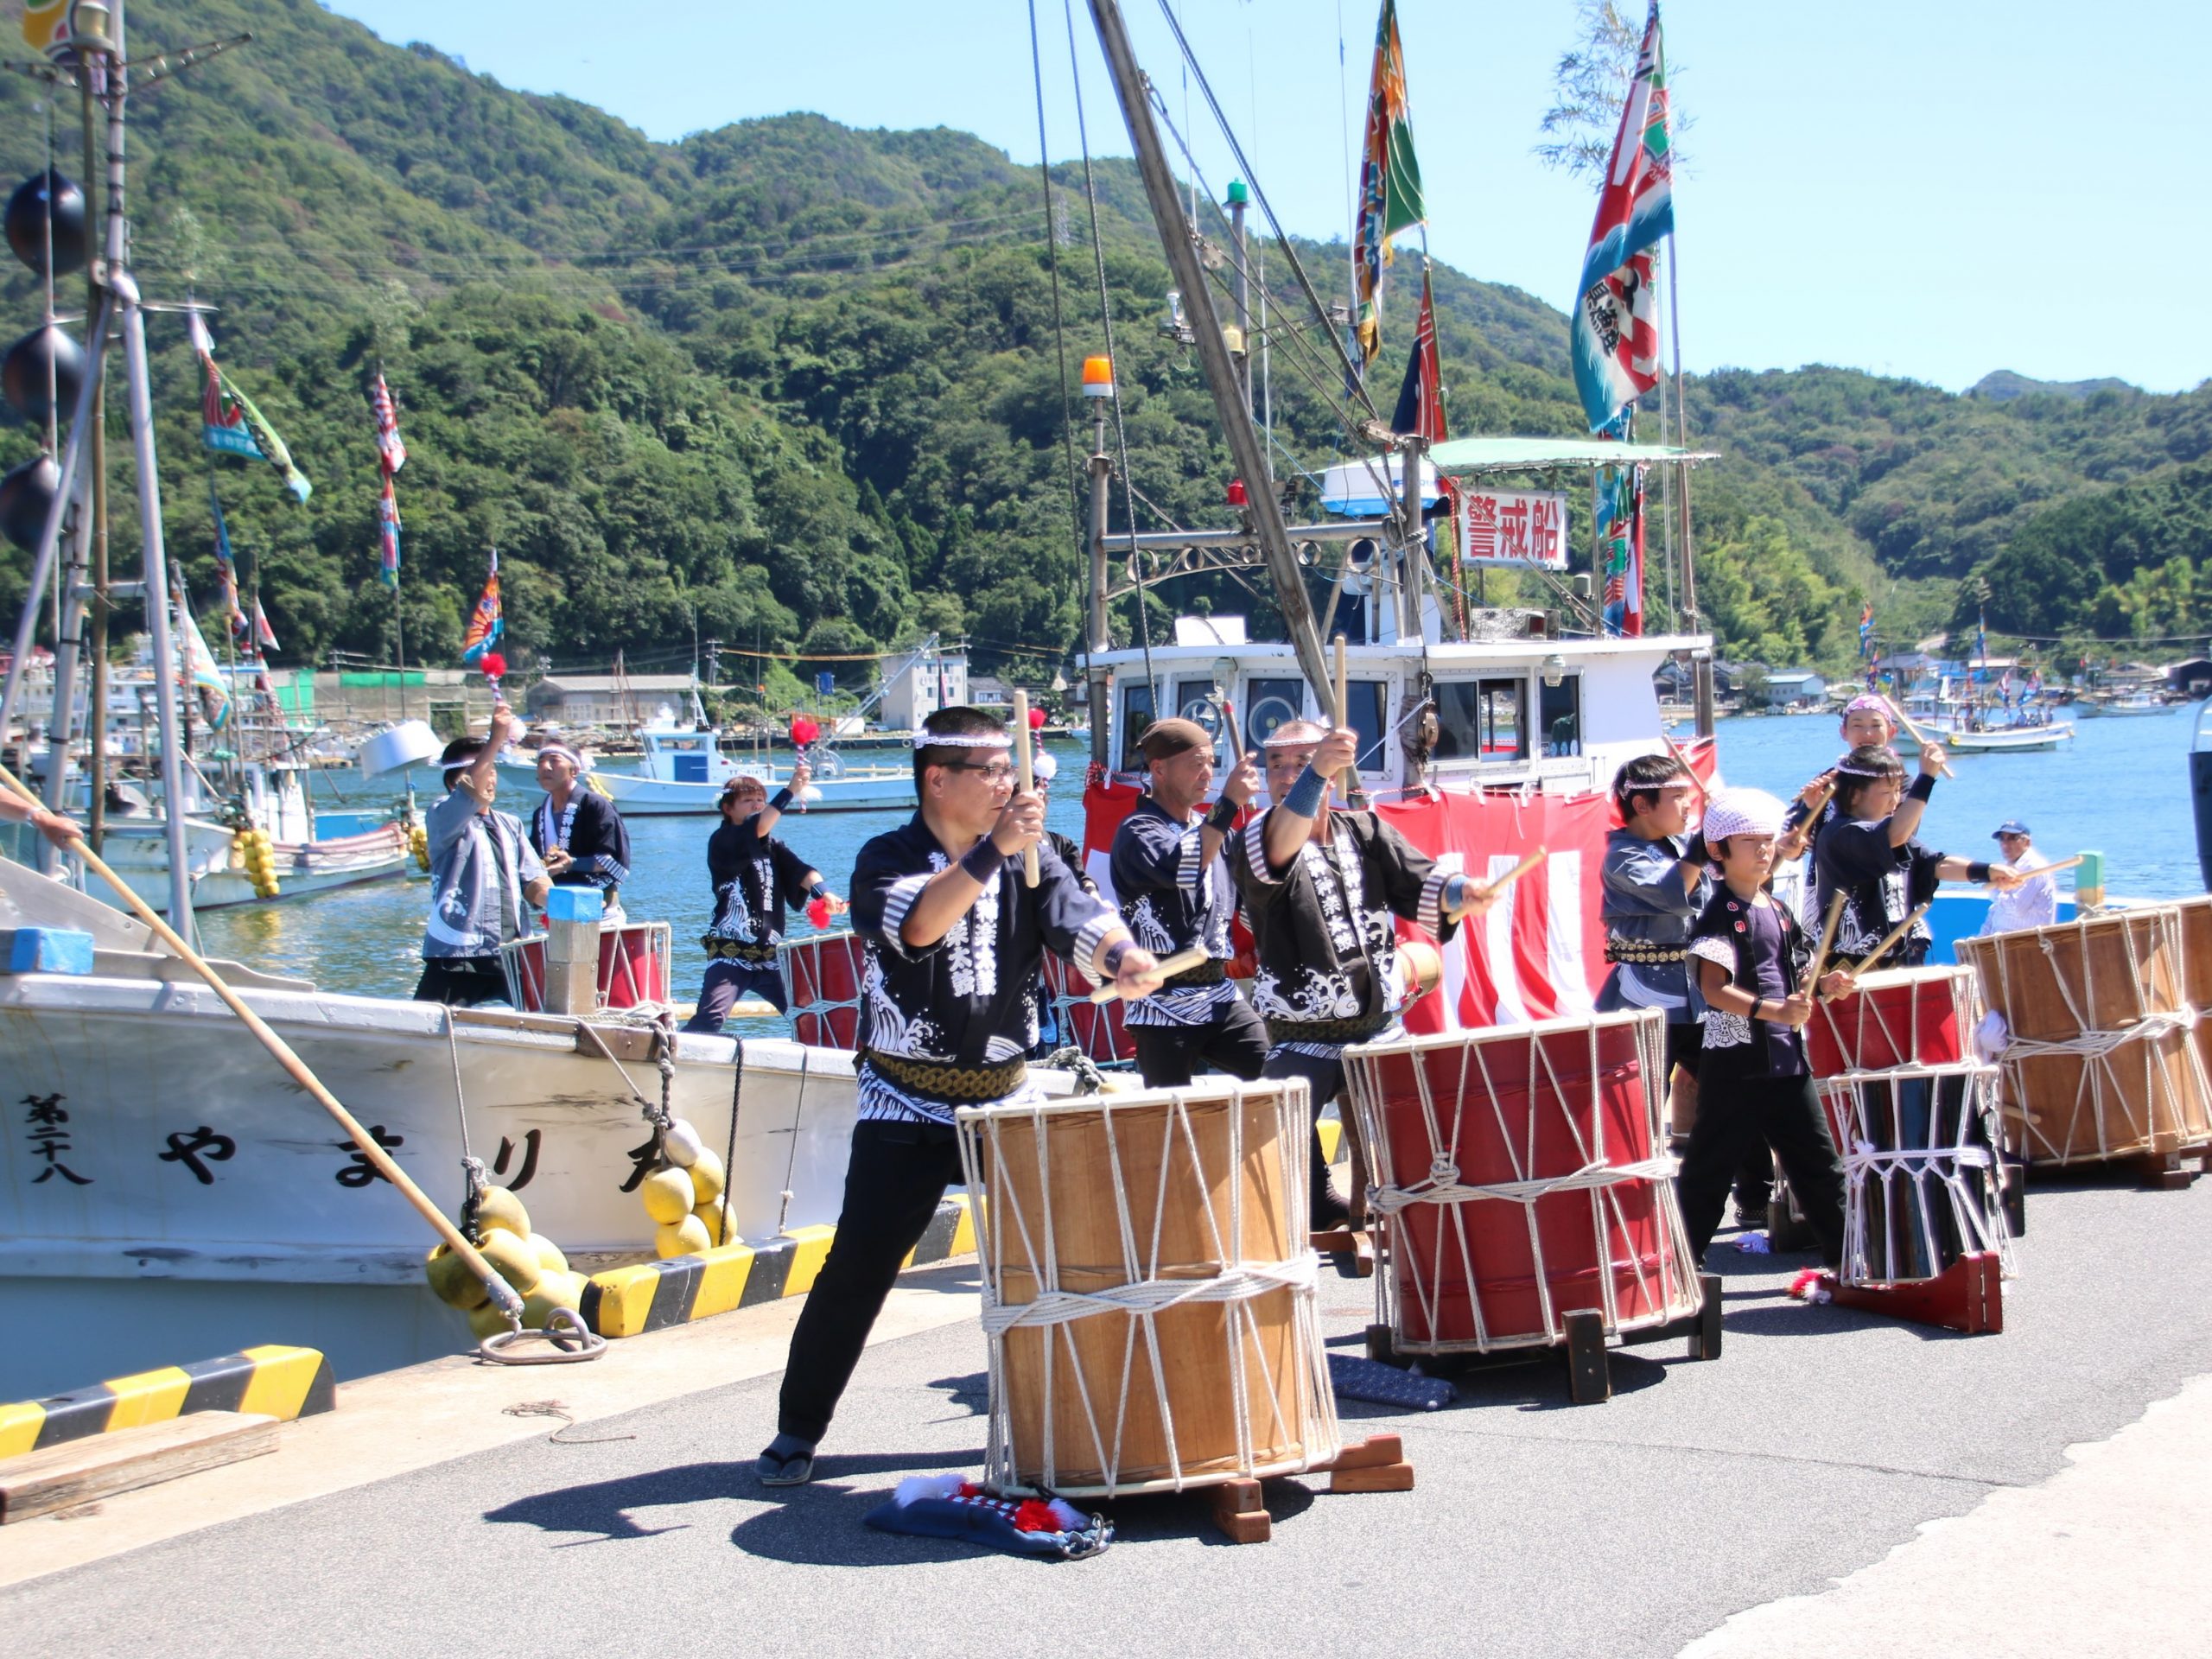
<point x="1096" y="1028"/>
<point x="1907" y="1016"/>
<point x="1521" y="1175"/>
<point x="635" y="967"/>
<point x="823" y="975"/>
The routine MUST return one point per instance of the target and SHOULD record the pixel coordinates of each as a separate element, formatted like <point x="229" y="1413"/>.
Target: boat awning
<point x="1471" y="457"/>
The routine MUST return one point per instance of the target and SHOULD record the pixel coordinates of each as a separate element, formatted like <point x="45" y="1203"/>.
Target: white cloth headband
<point x="1847" y="770"/>
<point x="1286" y="742"/>
<point x="1741" y="812"/>
<point x="964" y="741"/>
<point x="563" y="751"/>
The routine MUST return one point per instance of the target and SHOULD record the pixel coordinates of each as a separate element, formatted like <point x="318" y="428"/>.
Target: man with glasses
<point x="1176" y="895"/>
<point x="755" y="877"/>
<point x="954" y="938"/>
<point x="2034" y="903"/>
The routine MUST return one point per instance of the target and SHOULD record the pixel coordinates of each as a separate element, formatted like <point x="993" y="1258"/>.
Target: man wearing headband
<point x="754" y="876"/>
<point x="953" y="939"/>
<point x="1177" y="895"/>
<point x="577" y="831"/>
<point x="483" y="871"/>
<point x="1321" y="886"/>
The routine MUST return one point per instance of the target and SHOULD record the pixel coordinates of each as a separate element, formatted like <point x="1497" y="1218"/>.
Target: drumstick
<point x="1510" y="876"/>
<point x="1882" y="950"/>
<point x="1024" y="775"/>
<point x="1827" y="939"/>
<point x="1349" y="778"/>
<point x="1181" y="963"/>
<point x="2053" y="869"/>
<point x="1696" y="783"/>
<point x="1229" y="726"/>
<point x="1918" y="736"/>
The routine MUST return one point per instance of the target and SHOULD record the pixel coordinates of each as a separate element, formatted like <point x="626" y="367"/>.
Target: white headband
<point x="1287" y="742"/>
<point x="964" y="741"/>
<point x="563" y="751"/>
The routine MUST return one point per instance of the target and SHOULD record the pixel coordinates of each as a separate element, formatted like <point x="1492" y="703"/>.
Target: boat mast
<point x="1101" y="631"/>
<point x="1176" y="234"/>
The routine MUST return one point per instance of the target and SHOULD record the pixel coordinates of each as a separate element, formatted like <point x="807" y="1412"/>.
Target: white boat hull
<point x="2027" y="739"/>
<point x="639" y="796"/>
<point x="137" y="850"/>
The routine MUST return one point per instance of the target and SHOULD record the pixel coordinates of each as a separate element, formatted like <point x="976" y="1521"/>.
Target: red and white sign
<point x="1512" y="526"/>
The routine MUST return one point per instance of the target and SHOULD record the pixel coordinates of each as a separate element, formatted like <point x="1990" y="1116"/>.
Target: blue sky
<point x="1934" y="188"/>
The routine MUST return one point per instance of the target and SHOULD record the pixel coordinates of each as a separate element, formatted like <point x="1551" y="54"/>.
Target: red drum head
<point x="1096" y="1028"/>
<point x="1908" y="1016"/>
<point x="1548" y="1134"/>
<point x="823" y="975"/>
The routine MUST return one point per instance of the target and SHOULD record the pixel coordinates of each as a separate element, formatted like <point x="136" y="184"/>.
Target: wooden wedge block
<point x="100" y="1466"/>
<point x="1239" y="1514"/>
<point x="1386" y="1478"/>
<point x="1373" y="1452"/>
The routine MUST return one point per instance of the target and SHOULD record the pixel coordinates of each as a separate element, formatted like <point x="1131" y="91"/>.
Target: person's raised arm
<point x="1906" y="821"/>
<point x="765" y="819"/>
<point x="482" y="778"/>
<point x="1290" y="821"/>
<point x="952" y="892"/>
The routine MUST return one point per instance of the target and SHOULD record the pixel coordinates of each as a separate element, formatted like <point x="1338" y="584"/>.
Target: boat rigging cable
<point x="1106" y="319"/>
<point x="1073" y="479"/>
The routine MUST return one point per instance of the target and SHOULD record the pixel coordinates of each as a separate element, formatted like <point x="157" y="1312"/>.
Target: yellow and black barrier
<point x="653" y="1295"/>
<point x="278" y="1382"/>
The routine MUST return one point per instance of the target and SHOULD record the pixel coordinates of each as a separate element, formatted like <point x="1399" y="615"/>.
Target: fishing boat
<point x="2121" y="705"/>
<point x="158" y="1163"/>
<point x="683" y="766"/>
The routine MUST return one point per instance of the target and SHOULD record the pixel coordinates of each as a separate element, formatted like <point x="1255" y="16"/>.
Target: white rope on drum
<point x="1979" y="1221"/>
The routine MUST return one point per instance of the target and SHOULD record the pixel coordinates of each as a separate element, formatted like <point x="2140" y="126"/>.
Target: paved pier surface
<point x="1709" y="1506"/>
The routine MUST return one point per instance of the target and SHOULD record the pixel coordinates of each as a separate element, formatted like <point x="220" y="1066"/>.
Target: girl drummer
<point x="1753" y="1079"/>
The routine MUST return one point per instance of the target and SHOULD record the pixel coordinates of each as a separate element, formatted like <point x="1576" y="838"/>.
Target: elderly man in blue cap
<point x="2034" y="903"/>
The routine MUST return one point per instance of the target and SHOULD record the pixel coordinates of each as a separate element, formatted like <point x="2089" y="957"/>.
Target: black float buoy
<point x="26" y="222"/>
<point x="26" y="497"/>
<point x="25" y="371"/>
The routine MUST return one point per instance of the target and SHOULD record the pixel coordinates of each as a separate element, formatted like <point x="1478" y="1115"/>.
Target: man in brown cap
<point x="1176" y="894"/>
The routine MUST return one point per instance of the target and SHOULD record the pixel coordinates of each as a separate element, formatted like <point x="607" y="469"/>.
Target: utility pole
<point x="1244" y="448"/>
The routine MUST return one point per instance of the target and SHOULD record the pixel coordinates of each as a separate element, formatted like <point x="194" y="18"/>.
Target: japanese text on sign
<point x="1513" y="527"/>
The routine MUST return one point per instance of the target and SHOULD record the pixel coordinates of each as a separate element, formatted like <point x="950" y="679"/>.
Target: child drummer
<point x="1870" y="853"/>
<point x="1754" y="1082"/>
<point x="1656" y="886"/>
<point x="954" y="938"/>
<point x="755" y="877"/>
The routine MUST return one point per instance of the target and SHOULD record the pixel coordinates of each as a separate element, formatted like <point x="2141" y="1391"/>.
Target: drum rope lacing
<point x="1871" y="1256"/>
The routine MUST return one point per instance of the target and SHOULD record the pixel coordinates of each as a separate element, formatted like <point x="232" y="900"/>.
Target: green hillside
<point x="799" y="385"/>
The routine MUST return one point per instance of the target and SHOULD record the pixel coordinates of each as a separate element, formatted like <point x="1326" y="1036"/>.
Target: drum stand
<point x="1376" y="1463"/>
<point x="1968" y="1297"/>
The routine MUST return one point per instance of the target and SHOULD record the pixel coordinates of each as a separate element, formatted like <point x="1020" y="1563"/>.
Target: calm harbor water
<point x="2121" y="787"/>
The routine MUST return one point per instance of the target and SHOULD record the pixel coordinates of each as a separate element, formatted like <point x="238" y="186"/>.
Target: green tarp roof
<point x="1465" y="457"/>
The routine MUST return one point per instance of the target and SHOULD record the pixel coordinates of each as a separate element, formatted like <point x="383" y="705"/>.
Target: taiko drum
<point x="1905" y="1016"/>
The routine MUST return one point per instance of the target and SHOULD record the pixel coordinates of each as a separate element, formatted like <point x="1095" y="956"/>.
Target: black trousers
<point x="1755" y="1175"/>
<point x="897" y="1176"/>
<point x="461" y="982"/>
<point x="1734" y="1114"/>
<point x="1325" y="1078"/>
<point x="1236" y="1042"/>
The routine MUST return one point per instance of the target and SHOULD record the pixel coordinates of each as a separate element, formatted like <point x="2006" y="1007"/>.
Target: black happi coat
<point x="1321" y="925"/>
<point x="1735" y="1046"/>
<point x="967" y="999"/>
<point x="755" y="877"/>
<point x="596" y="838"/>
<point x="1174" y="902"/>
<point x="1882" y="885"/>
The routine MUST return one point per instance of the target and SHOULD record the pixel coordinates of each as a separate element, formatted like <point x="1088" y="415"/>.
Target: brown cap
<point x="1165" y="739"/>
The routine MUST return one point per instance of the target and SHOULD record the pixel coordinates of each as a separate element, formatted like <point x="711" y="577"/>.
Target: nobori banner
<point x="1512" y="527"/>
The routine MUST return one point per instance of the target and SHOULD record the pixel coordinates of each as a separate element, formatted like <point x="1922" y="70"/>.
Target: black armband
<point x="1978" y="872"/>
<point x="819" y="890"/>
<point x="983" y="862"/>
<point x="1922" y="787"/>
<point x="782" y="801"/>
<point x="1223" y="816"/>
<point x="1109" y="961"/>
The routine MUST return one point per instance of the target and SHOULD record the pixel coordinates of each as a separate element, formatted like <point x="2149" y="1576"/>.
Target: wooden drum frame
<point x="1148" y="1290"/>
<point x="2100" y="1063"/>
<point x="1525" y="1181"/>
<point x="1896" y="1017"/>
<point x="1922" y="1180"/>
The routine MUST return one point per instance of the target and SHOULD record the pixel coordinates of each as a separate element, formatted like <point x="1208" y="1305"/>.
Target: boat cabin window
<point x="1364" y="706"/>
<point x="1194" y="701"/>
<point x="1481" y="720"/>
<point x="1136" y="714"/>
<point x="1559" y="716"/>
<point x="687" y="744"/>
<point x="1270" y="704"/>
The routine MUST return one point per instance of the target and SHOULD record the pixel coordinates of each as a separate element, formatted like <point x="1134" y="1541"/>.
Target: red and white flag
<point x="392" y="452"/>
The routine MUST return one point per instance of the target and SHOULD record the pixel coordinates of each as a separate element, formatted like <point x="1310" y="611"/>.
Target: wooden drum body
<point x="1521" y="1173"/>
<point x="2099" y="1062"/>
<point x="1906" y="1016"/>
<point x="1922" y="1180"/>
<point x="2196" y="968"/>
<point x="1148" y="1289"/>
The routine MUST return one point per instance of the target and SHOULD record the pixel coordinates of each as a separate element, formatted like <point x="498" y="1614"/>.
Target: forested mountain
<point x="801" y="385"/>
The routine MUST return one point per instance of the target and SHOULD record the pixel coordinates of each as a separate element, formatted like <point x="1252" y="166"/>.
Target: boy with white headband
<point x="1754" y="1081"/>
<point x="954" y="938"/>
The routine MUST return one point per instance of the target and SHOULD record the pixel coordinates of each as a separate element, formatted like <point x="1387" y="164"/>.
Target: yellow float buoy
<point x="554" y="1290"/>
<point x="667" y="1196"/>
<point x="720" y="1222"/>
<point x="707" y="1179"/>
<point x="487" y="1321"/>
<point x="549" y="1253"/>
<point x="501" y="1208"/>
<point x="515" y="1261"/>
<point x="451" y="1280"/>
<point x="687" y="1237"/>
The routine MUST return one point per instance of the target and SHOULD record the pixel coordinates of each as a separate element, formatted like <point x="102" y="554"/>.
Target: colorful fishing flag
<point x="45" y="22"/>
<point x="231" y="424"/>
<point x="1619" y="507"/>
<point x="1616" y="335"/>
<point x="488" y="622"/>
<point x="264" y="637"/>
<point x="1421" y="394"/>
<point x="388" y="536"/>
<point x="199" y="671"/>
<point x="1866" y="629"/>
<point x="226" y="577"/>
<point x="1981" y="646"/>
<point x="1389" y="181"/>
<point x="392" y="452"/>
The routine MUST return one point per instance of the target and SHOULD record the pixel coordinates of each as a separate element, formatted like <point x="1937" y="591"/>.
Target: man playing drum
<point x="1320" y="887"/>
<point x="755" y="877"/>
<point x="1176" y="894"/>
<point x="954" y="938"/>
